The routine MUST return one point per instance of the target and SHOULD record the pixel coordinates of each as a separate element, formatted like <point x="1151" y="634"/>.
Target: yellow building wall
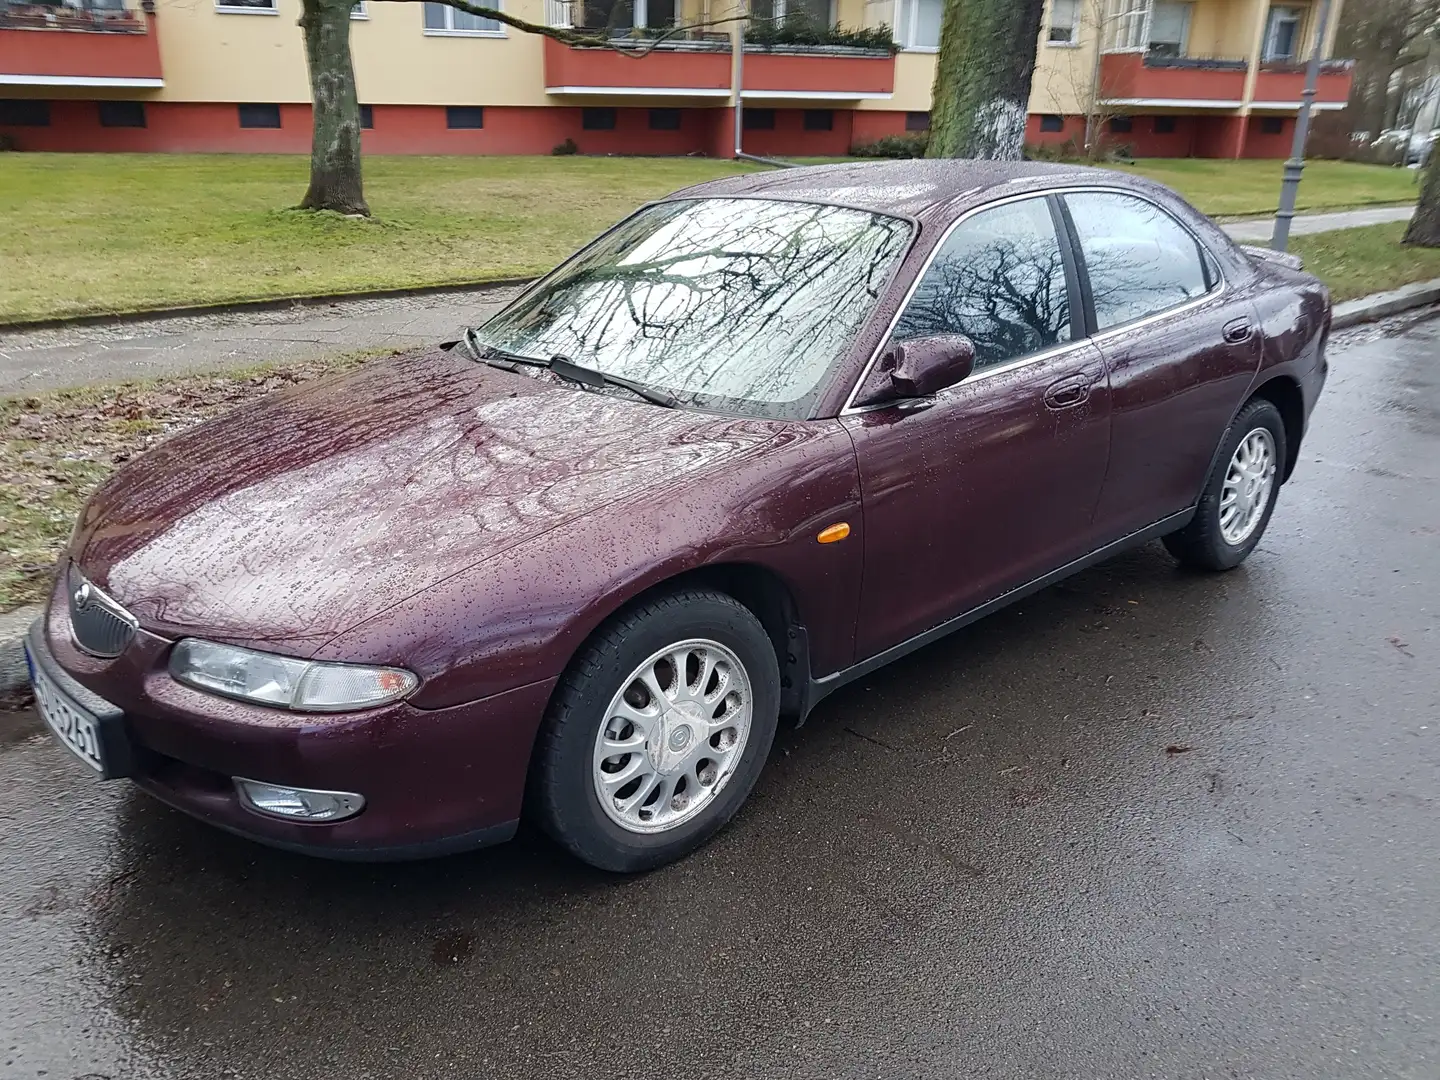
<point x="210" y="55"/>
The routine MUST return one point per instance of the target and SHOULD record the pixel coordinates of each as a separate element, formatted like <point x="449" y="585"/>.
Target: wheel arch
<point x="767" y="595"/>
<point x="1283" y="392"/>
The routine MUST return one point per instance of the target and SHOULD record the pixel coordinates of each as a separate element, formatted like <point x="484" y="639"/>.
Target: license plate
<point x="72" y="724"/>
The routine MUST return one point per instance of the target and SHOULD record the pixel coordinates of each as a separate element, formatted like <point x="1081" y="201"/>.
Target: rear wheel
<point x="1239" y="494"/>
<point x="658" y="731"/>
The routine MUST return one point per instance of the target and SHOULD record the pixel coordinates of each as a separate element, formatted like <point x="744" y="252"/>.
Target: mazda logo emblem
<point x="82" y="597"/>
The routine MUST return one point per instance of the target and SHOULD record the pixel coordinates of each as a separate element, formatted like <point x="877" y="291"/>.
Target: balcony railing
<point x="110" y="20"/>
<point x="645" y="39"/>
<point x="1155" y="59"/>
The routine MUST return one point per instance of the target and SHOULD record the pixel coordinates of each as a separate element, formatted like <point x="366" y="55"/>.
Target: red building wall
<point x="180" y="127"/>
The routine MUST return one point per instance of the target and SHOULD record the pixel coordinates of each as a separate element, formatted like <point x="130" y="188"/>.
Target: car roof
<point x="916" y="188"/>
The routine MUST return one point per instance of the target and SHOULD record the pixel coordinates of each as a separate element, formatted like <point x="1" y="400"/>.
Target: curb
<point x="14" y="678"/>
<point x="1379" y="305"/>
<point x="273" y="303"/>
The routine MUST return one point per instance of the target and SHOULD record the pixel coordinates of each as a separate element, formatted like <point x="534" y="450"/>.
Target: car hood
<point x="295" y="518"/>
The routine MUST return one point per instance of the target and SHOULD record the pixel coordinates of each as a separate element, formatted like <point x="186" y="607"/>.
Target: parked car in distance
<point x="762" y="437"/>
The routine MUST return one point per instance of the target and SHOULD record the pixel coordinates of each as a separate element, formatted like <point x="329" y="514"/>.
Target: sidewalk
<point x="1261" y="229"/>
<point x="75" y="356"/>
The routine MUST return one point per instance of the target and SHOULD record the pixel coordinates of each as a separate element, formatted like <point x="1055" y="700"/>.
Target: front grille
<point x="98" y="624"/>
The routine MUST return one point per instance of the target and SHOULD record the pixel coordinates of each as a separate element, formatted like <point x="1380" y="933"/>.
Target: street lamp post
<point x="1290" y="185"/>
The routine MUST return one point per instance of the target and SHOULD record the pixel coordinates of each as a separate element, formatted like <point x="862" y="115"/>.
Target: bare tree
<point x="1383" y="37"/>
<point x="336" y="181"/>
<point x="982" y="78"/>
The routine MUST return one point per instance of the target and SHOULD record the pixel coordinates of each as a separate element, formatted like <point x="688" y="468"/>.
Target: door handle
<point x="1238" y="330"/>
<point x="1068" y="393"/>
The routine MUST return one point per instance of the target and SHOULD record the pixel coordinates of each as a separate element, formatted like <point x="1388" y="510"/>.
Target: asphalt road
<point x="1144" y="825"/>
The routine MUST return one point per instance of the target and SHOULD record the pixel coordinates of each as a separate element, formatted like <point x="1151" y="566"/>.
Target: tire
<point x="603" y="691"/>
<point x="1206" y="543"/>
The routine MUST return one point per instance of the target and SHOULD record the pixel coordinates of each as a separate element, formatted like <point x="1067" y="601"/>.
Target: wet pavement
<point x="1146" y="824"/>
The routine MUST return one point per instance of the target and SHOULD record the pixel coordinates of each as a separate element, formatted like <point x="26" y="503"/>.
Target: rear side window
<point x="999" y="279"/>
<point x="1141" y="260"/>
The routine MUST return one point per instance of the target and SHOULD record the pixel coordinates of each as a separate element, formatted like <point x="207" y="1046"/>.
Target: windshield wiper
<point x="566" y="368"/>
<point x="577" y="373"/>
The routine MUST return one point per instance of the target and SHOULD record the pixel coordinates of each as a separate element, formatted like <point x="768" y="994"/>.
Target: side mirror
<point x="922" y="366"/>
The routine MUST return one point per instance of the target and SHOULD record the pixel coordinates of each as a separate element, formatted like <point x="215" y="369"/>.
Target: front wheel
<point x="1239" y="494"/>
<point x="658" y="731"/>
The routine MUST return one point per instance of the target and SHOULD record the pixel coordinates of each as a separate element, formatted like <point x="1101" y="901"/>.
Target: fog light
<point x="298" y="804"/>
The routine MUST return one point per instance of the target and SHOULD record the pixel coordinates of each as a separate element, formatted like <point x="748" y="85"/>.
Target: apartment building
<point x="1213" y="78"/>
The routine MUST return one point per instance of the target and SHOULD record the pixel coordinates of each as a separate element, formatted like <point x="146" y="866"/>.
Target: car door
<point x="993" y="481"/>
<point x="1181" y="348"/>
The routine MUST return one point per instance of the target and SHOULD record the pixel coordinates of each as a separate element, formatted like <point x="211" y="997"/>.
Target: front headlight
<point x="285" y="682"/>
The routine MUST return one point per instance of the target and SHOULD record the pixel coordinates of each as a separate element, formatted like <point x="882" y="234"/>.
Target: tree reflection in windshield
<point x="743" y="304"/>
<point x="1000" y="281"/>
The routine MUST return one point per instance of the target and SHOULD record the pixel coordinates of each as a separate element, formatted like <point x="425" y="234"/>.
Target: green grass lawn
<point x="87" y="233"/>
<point x="1247" y="188"/>
<point x="1357" y="262"/>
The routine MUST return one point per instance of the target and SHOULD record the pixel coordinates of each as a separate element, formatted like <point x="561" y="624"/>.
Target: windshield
<point x="740" y="305"/>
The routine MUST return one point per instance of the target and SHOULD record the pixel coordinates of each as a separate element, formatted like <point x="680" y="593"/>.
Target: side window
<point x="1140" y="259"/>
<point x="999" y="279"/>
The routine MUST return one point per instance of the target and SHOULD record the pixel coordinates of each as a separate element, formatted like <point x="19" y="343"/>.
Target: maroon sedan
<point x="757" y="440"/>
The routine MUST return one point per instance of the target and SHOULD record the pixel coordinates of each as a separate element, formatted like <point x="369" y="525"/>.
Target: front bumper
<point x="434" y="781"/>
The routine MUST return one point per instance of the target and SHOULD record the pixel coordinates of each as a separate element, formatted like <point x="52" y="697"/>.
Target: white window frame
<point x="359" y="11"/>
<point x="1127" y="26"/>
<point x="905" y="26"/>
<point x="228" y="9"/>
<point x="1073" y="41"/>
<point x="498" y="5"/>
<point x="1273" y="19"/>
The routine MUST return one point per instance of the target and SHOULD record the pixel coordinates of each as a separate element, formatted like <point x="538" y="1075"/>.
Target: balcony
<point x="1279" y="84"/>
<point x="696" y="65"/>
<point x="1154" y="79"/>
<point x="45" y="45"/>
<point x="807" y="59"/>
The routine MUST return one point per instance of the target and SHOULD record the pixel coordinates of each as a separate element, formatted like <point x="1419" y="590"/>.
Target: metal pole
<point x="737" y="69"/>
<point x="1290" y="185"/>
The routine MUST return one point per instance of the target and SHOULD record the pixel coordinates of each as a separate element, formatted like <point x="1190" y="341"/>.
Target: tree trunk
<point x="982" y="78"/>
<point x="335" y="182"/>
<point x="1424" y="230"/>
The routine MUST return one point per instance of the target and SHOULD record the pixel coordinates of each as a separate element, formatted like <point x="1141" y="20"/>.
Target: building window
<point x="1121" y="125"/>
<point x="444" y="19"/>
<point x="664" y="119"/>
<point x="464" y="117"/>
<point x="367" y="117"/>
<point x="259" y="116"/>
<point x="122" y="114"/>
<point x="1125" y="22"/>
<point x="917" y="121"/>
<point x="1282" y="33"/>
<point x="819" y="120"/>
<point x="1052" y="122"/>
<point x="617" y="18"/>
<point x="758" y="120"/>
<point x="360" y="11"/>
<point x="24" y="112"/>
<point x="597" y="119"/>
<point x="1272" y="125"/>
<point x="247" y="7"/>
<point x="813" y="12"/>
<point x="918" y="24"/>
<point x="1064" y="22"/>
<point x="1169" y="29"/>
<point x="1164" y="125"/>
